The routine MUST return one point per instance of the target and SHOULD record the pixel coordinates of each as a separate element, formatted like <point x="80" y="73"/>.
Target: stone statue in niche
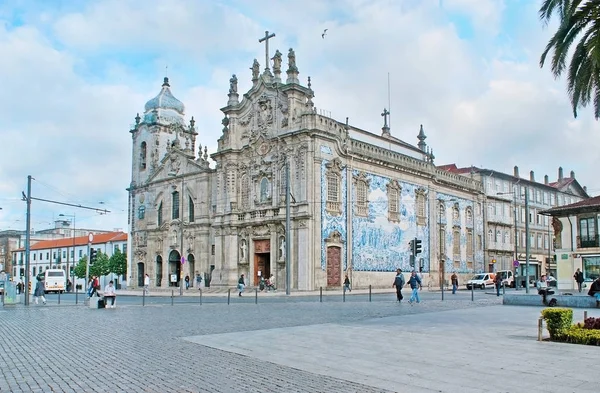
<point x="243" y="248"/>
<point x="282" y="248"/>
<point x="174" y="238"/>
<point x="233" y="84"/>
<point x="265" y="193"/>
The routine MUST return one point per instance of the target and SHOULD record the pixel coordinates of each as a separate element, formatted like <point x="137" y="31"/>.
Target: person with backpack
<point x="399" y="282"/>
<point x="498" y="282"/>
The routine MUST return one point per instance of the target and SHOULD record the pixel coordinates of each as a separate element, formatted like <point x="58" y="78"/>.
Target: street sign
<point x="516" y="263"/>
<point x="90" y="237"/>
<point x="182" y="260"/>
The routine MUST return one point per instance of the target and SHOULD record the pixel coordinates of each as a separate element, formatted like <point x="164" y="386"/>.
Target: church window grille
<point x="361" y="199"/>
<point x="191" y="212"/>
<point x="143" y="156"/>
<point x="393" y="194"/>
<point x="469" y="214"/>
<point x="175" y="205"/>
<point x="421" y="207"/>
<point x="245" y="192"/>
<point x="141" y="212"/>
<point x="455" y="213"/>
<point x="469" y="243"/>
<point x="442" y="208"/>
<point x="442" y="239"/>
<point x="265" y="192"/>
<point x="456" y="242"/>
<point x="333" y="178"/>
<point x="159" y="220"/>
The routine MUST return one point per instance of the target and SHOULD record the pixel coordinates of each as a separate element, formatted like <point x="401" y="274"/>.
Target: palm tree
<point x="578" y="19"/>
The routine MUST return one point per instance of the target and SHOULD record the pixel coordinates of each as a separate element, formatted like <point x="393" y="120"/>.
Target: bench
<point x="533" y="299"/>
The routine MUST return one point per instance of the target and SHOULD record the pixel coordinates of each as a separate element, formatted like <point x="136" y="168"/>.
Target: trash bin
<point x="96" y="302"/>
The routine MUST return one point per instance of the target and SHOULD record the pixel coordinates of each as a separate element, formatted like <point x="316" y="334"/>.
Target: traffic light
<point x="93" y="256"/>
<point x="417" y="246"/>
<point x="412" y="247"/>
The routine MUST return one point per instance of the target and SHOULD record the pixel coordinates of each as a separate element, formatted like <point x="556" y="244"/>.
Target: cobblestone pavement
<point x="140" y="349"/>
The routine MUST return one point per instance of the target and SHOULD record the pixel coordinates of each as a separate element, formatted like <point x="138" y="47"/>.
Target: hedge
<point x="558" y="320"/>
<point x="578" y="335"/>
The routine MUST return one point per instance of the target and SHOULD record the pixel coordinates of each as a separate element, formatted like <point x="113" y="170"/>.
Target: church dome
<point x="165" y="100"/>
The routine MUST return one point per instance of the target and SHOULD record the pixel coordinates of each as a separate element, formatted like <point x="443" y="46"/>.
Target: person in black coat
<point x="578" y="276"/>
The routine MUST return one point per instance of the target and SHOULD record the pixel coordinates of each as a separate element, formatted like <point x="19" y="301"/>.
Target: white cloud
<point x="486" y="104"/>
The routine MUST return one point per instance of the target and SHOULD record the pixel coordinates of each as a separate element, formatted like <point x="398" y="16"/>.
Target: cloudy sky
<point x="75" y="73"/>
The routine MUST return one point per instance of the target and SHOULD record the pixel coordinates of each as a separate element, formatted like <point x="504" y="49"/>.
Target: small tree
<point x="79" y="269"/>
<point x="118" y="263"/>
<point x="101" y="266"/>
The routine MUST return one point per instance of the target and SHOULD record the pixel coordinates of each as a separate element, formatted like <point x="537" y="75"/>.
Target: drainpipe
<point x="571" y="225"/>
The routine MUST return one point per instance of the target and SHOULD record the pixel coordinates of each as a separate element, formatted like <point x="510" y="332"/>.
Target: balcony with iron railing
<point x="588" y="242"/>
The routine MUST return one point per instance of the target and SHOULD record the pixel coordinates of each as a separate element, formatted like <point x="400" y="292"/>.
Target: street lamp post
<point x="74" y="236"/>
<point x="182" y="258"/>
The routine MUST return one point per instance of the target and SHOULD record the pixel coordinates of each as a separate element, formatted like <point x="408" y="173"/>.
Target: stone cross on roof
<point x="385" y="115"/>
<point x="266" y="40"/>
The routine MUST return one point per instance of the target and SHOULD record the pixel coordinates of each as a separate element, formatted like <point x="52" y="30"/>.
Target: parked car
<point x="483" y="281"/>
<point x="507" y="278"/>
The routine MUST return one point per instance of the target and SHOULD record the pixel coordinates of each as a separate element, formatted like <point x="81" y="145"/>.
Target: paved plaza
<point x="451" y="346"/>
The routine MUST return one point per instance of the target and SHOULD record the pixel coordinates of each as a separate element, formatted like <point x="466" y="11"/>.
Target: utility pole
<point x="27" y="239"/>
<point x="516" y="240"/>
<point x="89" y="256"/>
<point x="527" y="245"/>
<point x="288" y="231"/>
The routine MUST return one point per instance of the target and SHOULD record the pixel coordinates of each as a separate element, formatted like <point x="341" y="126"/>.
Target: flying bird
<point x="324" y="33"/>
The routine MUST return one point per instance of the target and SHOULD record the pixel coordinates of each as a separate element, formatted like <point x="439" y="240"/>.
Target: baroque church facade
<point x="357" y="197"/>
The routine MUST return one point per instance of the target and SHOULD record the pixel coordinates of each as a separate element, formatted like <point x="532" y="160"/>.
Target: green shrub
<point x="578" y="335"/>
<point x="557" y="320"/>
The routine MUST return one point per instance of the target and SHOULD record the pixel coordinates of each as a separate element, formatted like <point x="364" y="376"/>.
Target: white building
<point x="65" y="253"/>
<point x="577" y="241"/>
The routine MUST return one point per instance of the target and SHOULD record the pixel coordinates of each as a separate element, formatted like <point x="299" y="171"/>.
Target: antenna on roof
<point x="167" y="71"/>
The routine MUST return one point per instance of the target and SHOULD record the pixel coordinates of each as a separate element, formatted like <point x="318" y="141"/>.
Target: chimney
<point x="585" y="189"/>
<point x="531" y="176"/>
<point x="560" y="173"/>
<point x="572" y="174"/>
<point x="546" y="179"/>
<point x="516" y="171"/>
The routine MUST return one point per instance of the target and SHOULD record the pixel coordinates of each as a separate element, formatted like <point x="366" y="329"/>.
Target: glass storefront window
<point x="591" y="267"/>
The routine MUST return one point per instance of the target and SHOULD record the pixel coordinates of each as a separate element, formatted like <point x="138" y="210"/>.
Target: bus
<point x="55" y="280"/>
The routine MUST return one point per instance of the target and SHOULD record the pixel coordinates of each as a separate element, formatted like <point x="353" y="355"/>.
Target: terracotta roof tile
<point x="593" y="202"/>
<point x="99" y="238"/>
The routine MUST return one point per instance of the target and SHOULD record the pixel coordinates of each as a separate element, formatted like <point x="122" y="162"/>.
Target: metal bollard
<point x="369" y="292"/>
<point x="321" y="294"/>
<point x="228" y="295"/>
<point x="76" y="293"/>
<point x="442" y="291"/>
<point x="59" y="296"/>
<point x="200" y="290"/>
<point x="172" y="292"/>
<point x="344" y="295"/>
<point x="503" y="289"/>
<point x="143" y="298"/>
<point x="540" y="328"/>
<point x="472" y="293"/>
<point x="584" y="315"/>
<point x="255" y="295"/>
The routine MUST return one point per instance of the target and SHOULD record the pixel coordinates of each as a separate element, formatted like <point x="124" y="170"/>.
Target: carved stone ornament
<point x="335" y="237"/>
<point x="335" y="166"/>
<point x="140" y="254"/>
<point x="260" y="231"/>
<point x="175" y="164"/>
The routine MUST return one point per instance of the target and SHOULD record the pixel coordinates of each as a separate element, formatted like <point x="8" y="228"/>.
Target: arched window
<point x="265" y="192"/>
<point x="141" y="212"/>
<point x="490" y="236"/>
<point x="333" y="177"/>
<point x="469" y="214"/>
<point x="143" y="156"/>
<point x="175" y="205"/>
<point x="159" y="219"/>
<point x="498" y="236"/>
<point x="455" y="213"/>
<point x="506" y="237"/>
<point x="191" y="213"/>
<point x="393" y="194"/>
<point x="333" y="193"/>
<point x="362" y="194"/>
<point x="421" y="206"/>
<point x="442" y="208"/>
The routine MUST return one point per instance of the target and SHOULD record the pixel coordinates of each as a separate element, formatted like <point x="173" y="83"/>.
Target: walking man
<point x="39" y="291"/>
<point x="578" y="276"/>
<point x="241" y="285"/>
<point x="454" y="280"/>
<point x="147" y="284"/>
<point x="399" y="282"/>
<point x="415" y="285"/>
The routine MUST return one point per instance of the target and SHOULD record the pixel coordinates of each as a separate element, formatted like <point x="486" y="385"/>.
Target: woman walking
<point x="39" y="291"/>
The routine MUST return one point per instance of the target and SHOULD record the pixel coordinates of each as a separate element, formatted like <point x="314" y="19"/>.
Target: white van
<point x="55" y="280"/>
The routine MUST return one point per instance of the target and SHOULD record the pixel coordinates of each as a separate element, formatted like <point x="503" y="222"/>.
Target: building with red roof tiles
<point x="504" y="216"/>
